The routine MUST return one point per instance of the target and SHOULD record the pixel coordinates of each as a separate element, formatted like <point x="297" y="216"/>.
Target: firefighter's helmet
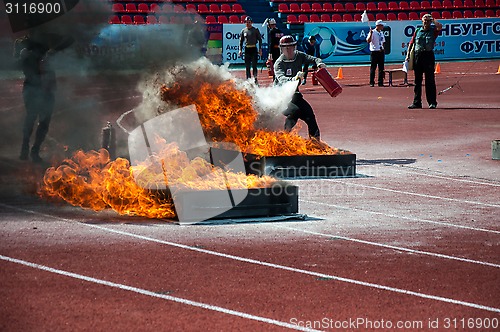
<point x="287" y="41"/>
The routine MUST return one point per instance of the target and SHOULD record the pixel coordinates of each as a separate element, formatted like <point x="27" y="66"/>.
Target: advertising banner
<point x="231" y="38"/>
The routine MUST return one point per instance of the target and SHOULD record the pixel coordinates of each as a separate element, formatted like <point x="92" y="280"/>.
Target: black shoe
<point x="380" y="84"/>
<point x="372" y="84"/>
<point x="432" y="106"/>
<point x="412" y="106"/>
<point x="35" y="157"/>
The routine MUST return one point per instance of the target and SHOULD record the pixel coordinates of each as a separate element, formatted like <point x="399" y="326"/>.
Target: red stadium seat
<point x="126" y="19"/>
<point x="118" y="8"/>
<point x="214" y="8"/>
<point x="445" y="14"/>
<point x="391" y="17"/>
<point x="222" y="19"/>
<point x="371" y="17"/>
<point x="139" y="19"/>
<point x="436" y="4"/>
<point x="479" y="4"/>
<point x="402" y="17"/>
<point x="489" y="13"/>
<point x="203" y="9"/>
<point x="234" y="19"/>
<point x="422" y="14"/>
<point x="338" y="7"/>
<point x="478" y="13"/>
<point x="404" y="5"/>
<point x="380" y="16"/>
<point x="458" y="4"/>
<point x="151" y="19"/>
<point x="360" y="6"/>
<point x="225" y="8"/>
<point x="294" y="8"/>
<point x="414" y="5"/>
<point x="336" y="18"/>
<point x="316" y="7"/>
<point x="305" y="7"/>
<point x="468" y="13"/>
<point x="447" y="4"/>
<point x="392" y="5"/>
<point x="425" y="5"/>
<point x="328" y="8"/>
<point x="457" y="14"/>
<point x="490" y="3"/>
<point x="314" y="18"/>
<point x="347" y="18"/>
<point x="371" y="6"/>
<point x="303" y="18"/>
<point x="292" y="19"/>
<point x="382" y="6"/>
<point x="325" y="18"/>
<point x="130" y="8"/>
<point x="155" y="8"/>
<point x="357" y="17"/>
<point x="469" y="4"/>
<point x="210" y="19"/>
<point x="436" y="15"/>
<point x="114" y="20"/>
<point x="413" y="16"/>
<point x="283" y="8"/>
<point x="143" y="8"/>
<point x="349" y="7"/>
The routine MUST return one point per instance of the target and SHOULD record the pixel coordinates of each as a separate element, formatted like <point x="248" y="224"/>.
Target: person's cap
<point x="271" y="21"/>
<point x="379" y="22"/>
<point x="287" y="41"/>
<point x="248" y="19"/>
<point x="427" y="17"/>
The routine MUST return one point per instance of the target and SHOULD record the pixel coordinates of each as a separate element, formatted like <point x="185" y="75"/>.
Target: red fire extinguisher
<point x="270" y="68"/>
<point x="314" y="78"/>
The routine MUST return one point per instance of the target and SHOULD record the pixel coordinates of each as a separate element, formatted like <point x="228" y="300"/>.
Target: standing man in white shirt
<point x="376" y="39"/>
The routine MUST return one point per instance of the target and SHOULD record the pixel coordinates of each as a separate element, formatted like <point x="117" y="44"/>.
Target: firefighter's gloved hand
<point x="299" y="76"/>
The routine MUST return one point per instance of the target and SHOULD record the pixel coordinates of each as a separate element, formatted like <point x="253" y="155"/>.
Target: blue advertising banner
<point x="345" y="42"/>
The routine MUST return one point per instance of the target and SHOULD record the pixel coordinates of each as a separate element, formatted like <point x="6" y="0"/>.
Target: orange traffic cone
<point x="438" y="69"/>
<point x="339" y="74"/>
<point x="498" y="71"/>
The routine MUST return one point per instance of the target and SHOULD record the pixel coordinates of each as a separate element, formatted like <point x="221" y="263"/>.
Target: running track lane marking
<point x="276" y="266"/>
<point x="415" y="194"/>
<point x="402" y="217"/>
<point x="153" y="294"/>
<point x="413" y="251"/>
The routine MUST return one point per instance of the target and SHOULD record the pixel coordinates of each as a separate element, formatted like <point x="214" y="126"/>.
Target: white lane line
<point x="153" y="294"/>
<point x="445" y="177"/>
<point x="275" y="266"/>
<point x="402" y="217"/>
<point x="414" y="194"/>
<point x="413" y="251"/>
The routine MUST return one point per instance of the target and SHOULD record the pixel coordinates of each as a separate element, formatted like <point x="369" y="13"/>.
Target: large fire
<point x="92" y="180"/>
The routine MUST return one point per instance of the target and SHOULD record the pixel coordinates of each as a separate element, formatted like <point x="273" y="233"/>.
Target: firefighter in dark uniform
<point x="275" y="35"/>
<point x="253" y="47"/>
<point x="287" y="68"/>
<point x="33" y="55"/>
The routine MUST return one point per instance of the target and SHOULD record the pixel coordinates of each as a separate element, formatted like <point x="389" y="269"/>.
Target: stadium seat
<point x="305" y="7"/>
<point x="425" y="5"/>
<point x="336" y="18"/>
<point x="210" y="19"/>
<point x="402" y="16"/>
<point x="357" y="17"/>
<point x="436" y="4"/>
<point x="151" y="19"/>
<point x="118" y="8"/>
<point x="303" y="18"/>
<point x="380" y="16"/>
<point x="404" y="6"/>
<point x="325" y="18"/>
<point x="203" y="9"/>
<point x="316" y="7"/>
<point x="143" y="8"/>
<point x="283" y="8"/>
<point x="338" y="7"/>
<point x="130" y="8"/>
<point x="349" y="7"/>
<point x="225" y="8"/>
<point x="391" y="17"/>
<point x="469" y="4"/>
<point x="371" y="17"/>
<point x="458" y="4"/>
<point x="126" y="19"/>
<point x="423" y="13"/>
<point x="328" y="7"/>
<point x="214" y="8"/>
<point x="498" y="12"/>
<point x="457" y="14"/>
<point x="435" y="14"/>
<point x="114" y="20"/>
<point x="371" y="6"/>
<point x="314" y="18"/>
<point x="139" y="19"/>
<point x="360" y="6"/>
<point x="347" y="18"/>
<point x="383" y="7"/>
<point x="447" y="4"/>
<point x="155" y="8"/>
<point x="413" y="16"/>
<point x="468" y="13"/>
<point x="489" y="13"/>
<point x="234" y="19"/>
<point x="222" y="19"/>
<point x="491" y="3"/>
<point x="414" y="5"/>
<point x="478" y="13"/>
<point x="292" y="19"/>
<point x="445" y="14"/>
<point x="392" y="5"/>
<point x="294" y="8"/>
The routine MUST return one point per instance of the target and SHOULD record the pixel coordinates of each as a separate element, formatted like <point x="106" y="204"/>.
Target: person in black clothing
<point x="287" y="68"/>
<point x="275" y="35"/>
<point x="253" y="47"/>
<point x="33" y="54"/>
<point x="310" y="47"/>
